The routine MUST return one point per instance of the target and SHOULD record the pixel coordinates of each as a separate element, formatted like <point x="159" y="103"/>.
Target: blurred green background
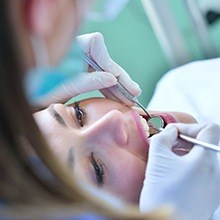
<point x="132" y="43"/>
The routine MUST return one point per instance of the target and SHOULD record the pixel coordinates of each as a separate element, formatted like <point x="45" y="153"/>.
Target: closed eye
<point x="99" y="169"/>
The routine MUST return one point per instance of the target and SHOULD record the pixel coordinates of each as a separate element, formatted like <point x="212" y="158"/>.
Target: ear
<point x="40" y="16"/>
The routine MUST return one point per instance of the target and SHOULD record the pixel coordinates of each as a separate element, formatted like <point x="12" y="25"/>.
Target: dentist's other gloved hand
<point x="93" y="45"/>
<point x="189" y="183"/>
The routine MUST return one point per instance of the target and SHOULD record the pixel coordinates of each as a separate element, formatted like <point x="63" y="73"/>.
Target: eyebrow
<point x="56" y="115"/>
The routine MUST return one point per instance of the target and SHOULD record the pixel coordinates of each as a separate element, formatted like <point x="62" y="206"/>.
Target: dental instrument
<point x="159" y="125"/>
<point x="193" y="140"/>
<point x="118" y="86"/>
<point x="201" y="143"/>
<point x="157" y="121"/>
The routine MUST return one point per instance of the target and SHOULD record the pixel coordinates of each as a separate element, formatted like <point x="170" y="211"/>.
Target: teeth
<point x="146" y="127"/>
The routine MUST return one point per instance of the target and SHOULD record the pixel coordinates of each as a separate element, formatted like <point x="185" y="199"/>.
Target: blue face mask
<point x="41" y="81"/>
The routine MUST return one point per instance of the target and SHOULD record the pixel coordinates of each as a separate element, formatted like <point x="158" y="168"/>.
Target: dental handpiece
<point x="118" y="87"/>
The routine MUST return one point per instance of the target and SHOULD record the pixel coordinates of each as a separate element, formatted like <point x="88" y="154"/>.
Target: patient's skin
<point x="111" y="148"/>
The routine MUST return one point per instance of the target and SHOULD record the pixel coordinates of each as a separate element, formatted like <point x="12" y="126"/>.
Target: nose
<point x="109" y="128"/>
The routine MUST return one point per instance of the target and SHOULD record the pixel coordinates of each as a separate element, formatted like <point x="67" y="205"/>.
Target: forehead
<point x="102" y="104"/>
<point x="98" y="100"/>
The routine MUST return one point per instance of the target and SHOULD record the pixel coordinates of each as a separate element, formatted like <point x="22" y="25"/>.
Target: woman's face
<point x="53" y="23"/>
<point x="103" y="141"/>
<point x="70" y="15"/>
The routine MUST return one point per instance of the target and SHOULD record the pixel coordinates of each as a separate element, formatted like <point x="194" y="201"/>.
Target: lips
<point x="159" y="120"/>
<point x="168" y="118"/>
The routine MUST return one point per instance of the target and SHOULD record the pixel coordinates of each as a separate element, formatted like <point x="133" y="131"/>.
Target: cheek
<point x="63" y="33"/>
<point x="180" y="117"/>
<point x="128" y="176"/>
<point x="83" y="8"/>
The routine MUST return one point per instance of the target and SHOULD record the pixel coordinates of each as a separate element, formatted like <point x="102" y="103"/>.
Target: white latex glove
<point x="94" y="46"/>
<point x="189" y="183"/>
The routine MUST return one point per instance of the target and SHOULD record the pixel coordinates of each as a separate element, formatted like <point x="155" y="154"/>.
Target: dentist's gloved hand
<point x="189" y="183"/>
<point x="94" y="46"/>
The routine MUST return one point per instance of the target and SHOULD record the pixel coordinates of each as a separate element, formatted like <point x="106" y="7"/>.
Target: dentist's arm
<point x="189" y="183"/>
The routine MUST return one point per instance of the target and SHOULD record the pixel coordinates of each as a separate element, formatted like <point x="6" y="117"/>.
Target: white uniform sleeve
<point x="192" y="88"/>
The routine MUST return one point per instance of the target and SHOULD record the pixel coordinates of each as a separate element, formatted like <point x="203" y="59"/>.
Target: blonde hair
<point x="27" y="193"/>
